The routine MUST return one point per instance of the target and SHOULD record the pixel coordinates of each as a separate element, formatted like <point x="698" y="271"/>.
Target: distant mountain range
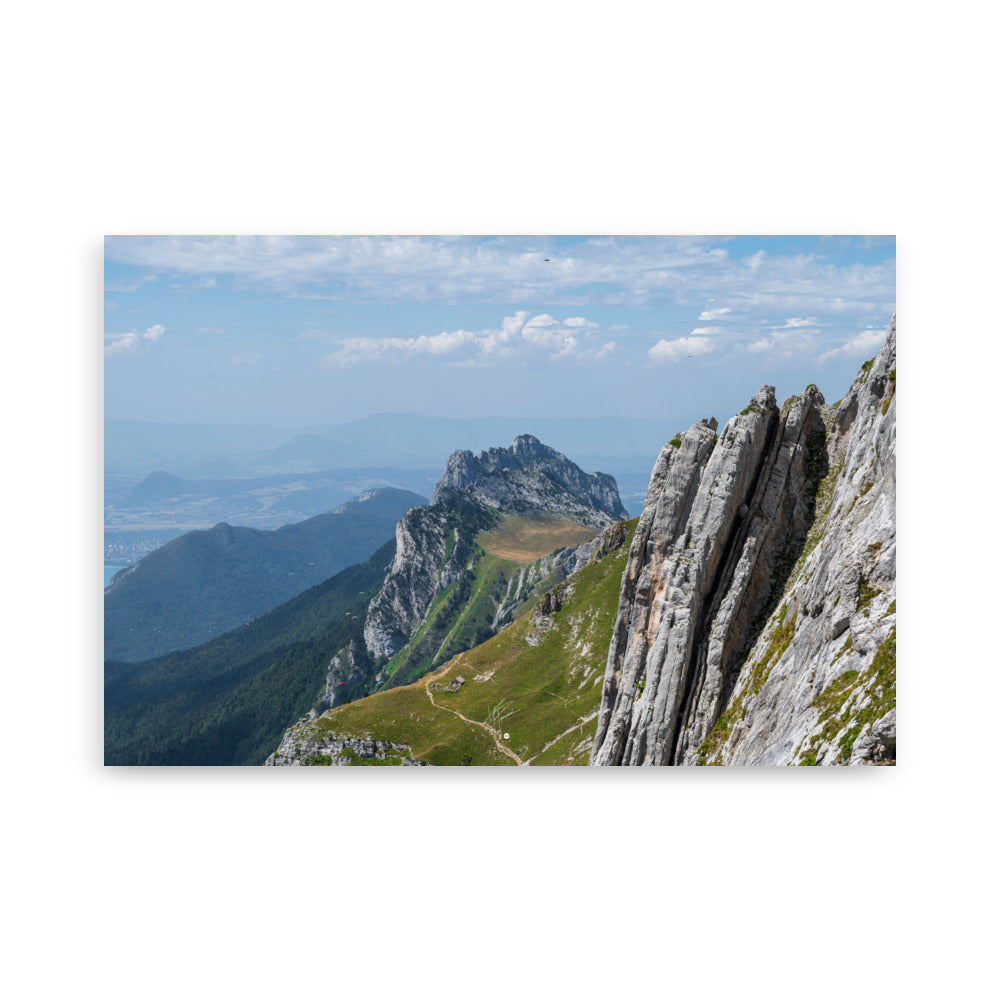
<point x="394" y="440"/>
<point x="207" y="582"/>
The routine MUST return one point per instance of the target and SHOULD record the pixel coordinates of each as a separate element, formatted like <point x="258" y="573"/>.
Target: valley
<point x="538" y="681"/>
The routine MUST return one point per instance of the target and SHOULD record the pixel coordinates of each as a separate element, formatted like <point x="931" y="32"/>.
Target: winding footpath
<point x="496" y="734"/>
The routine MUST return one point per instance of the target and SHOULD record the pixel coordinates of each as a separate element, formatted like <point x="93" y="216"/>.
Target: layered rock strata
<point x="757" y="551"/>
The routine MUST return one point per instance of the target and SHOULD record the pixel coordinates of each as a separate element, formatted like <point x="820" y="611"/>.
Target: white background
<point x="542" y="117"/>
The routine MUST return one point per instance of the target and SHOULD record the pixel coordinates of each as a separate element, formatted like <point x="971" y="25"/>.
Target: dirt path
<point x="496" y="734"/>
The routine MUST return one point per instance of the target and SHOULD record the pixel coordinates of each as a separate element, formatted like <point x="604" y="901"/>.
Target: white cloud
<point x="249" y="359"/>
<point x="124" y="343"/>
<point x="796" y="323"/>
<point x="673" y="350"/>
<point x="866" y="341"/>
<point x="129" y="343"/>
<point x="705" y="331"/>
<point x="604" y="351"/>
<point x="713" y="314"/>
<point x="760" y="345"/>
<point x="518" y="337"/>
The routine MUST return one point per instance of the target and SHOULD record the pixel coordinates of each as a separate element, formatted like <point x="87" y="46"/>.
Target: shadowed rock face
<point x="718" y="598"/>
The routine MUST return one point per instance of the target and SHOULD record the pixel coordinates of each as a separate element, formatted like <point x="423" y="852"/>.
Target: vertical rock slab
<point x="719" y="528"/>
<point x="818" y="687"/>
<point x="756" y="623"/>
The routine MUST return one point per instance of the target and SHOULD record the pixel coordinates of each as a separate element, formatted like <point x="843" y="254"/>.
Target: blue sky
<point x="313" y="331"/>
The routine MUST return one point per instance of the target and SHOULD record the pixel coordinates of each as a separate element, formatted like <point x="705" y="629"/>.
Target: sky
<point x="320" y="330"/>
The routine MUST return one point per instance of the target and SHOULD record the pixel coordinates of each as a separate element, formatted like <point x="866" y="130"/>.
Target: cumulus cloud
<point x="866" y="341"/>
<point x="760" y="345"/>
<point x="673" y="350"/>
<point x="705" y="331"/>
<point x="519" y="337"/>
<point x="796" y="323"/>
<point x="713" y="314"/>
<point x="131" y="342"/>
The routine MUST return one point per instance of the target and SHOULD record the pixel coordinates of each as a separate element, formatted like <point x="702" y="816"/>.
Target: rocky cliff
<point x="756" y="623"/>
<point x="530" y="477"/>
<point x="444" y="593"/>
<point x="435" y="544"/>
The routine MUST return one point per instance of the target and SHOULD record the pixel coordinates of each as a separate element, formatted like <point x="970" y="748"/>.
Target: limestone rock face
<point x="761" y="575"/>
<point x="531" y="477"/>
<point x="421" y="568"/>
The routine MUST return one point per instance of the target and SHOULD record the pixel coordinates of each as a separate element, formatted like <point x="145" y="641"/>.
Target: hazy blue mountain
<point x="405" y="440"/>
<point x="142" y="445"/>
<point x="207" y="582"/>
<point x="291" y="496"/>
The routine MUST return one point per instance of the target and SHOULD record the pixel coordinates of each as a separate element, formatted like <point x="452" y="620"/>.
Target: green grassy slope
<point x="229" y="700"/>
<point x="538" y="680"/>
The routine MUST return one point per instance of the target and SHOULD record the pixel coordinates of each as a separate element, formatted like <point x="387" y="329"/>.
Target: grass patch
<point x="523" y="540"/>
<point x="839" y="704"/>
<point x="891" y="392"/>
<point x="866" y="594"/>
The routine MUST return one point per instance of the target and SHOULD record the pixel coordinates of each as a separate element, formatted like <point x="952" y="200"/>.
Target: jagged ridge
<point x="437" y="558"/>
<point x="724" y="522"/>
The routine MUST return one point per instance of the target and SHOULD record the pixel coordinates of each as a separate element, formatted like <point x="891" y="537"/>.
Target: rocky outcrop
<point x="530" y="477"/>
<point x="307" y="746"/>
<point x="435" y="545"/>
<point x="433" y="548"/>
<point x="757" y="552"/>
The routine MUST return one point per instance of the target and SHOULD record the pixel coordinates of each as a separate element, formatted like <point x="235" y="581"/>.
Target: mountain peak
<point x="530" y="475"/>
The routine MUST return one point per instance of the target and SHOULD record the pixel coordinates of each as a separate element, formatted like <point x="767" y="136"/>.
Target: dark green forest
<point x="229" y="700"/>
